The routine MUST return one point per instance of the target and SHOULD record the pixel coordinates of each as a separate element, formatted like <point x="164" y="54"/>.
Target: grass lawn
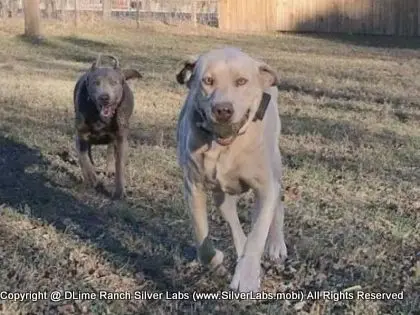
<point x="350" y="113"/>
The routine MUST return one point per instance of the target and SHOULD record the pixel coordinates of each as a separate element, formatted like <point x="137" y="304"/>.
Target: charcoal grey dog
<point x="103" y="104"/>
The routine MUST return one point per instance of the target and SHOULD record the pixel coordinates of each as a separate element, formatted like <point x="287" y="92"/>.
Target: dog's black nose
<point x="223" y="111"/>
<point x="104" y="98"/>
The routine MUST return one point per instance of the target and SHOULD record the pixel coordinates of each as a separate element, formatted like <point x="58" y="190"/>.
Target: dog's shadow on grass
<point x="23" y="185"/>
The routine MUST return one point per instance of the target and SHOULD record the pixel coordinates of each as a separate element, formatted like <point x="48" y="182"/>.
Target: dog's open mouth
<point x="224" y="134"/>
<point x="225" y="141"/>
<point x="107" y="111"/>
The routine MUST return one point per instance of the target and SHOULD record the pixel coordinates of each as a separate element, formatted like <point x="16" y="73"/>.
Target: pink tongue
<point x="106" y="111"/>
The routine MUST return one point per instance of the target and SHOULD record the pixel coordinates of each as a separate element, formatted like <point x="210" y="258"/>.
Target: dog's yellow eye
<point x="97" y="82"/>
<point x="208" y="81"/>
<point x="241" y="81"/>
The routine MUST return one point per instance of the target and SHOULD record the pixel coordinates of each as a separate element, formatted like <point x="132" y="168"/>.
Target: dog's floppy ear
<point x="269" y="76"/>
<point x="115" y="60"/>
<point x="93" y="67"/>
<point x="131" y="74"/>
<point x="185" y="75"/>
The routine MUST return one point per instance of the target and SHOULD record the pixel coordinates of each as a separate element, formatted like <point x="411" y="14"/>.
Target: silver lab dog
<point x="103" y="104"/>
<point x="227" y="142"/>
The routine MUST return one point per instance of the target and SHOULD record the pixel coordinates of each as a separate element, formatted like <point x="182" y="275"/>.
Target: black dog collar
<point x="259" y="115"/>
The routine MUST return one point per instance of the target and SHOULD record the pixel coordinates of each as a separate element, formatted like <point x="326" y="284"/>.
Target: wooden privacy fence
<point x="247" y="15"/>
<point x="380" y="17"/>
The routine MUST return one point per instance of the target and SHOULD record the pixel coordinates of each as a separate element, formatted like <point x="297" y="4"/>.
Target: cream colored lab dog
<point x="227" y="142"/>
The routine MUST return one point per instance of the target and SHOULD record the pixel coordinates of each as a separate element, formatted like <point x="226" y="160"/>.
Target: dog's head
<point x="228" y="87"/>
<point x="105" y="85"/>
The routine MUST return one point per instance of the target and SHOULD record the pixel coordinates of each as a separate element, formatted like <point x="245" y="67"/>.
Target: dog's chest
<point x="222" y="173"/>
<point x="98" y="132"/>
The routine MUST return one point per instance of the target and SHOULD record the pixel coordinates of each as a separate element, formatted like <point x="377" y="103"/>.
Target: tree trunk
<point x="32" y="18"/>
<point x="63" y="9"/>
<point x="194" y="12"/>
<point x="138" y="13"/>
<point x="76" y="12"/>
<point x="106" y="9"/>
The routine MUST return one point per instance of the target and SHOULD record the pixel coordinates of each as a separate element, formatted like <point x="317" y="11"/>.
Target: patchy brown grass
<point x="350" y="140"/>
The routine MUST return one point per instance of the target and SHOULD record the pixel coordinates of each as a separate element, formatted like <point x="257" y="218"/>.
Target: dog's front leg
<point x="276" y="246"/>
<point x="227" y="205"/>
<point x="110" y="159"/>
<point x="195" y="197"/>
<point x="121" y="156"/>
<point x="247" y="273"/>
<point x="88" y="171"/>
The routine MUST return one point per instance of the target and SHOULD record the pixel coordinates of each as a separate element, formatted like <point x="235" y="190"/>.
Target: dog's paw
<point x="247" y="276"/>
<point x="90" y="178"/>
<point x="276" y="250"/>
<point x="100" y="188"/>
<point x="220" y="271"/>
<point x="208" y="255"/>
<point x="109" y="170"/>
<point x="217" y="260"/>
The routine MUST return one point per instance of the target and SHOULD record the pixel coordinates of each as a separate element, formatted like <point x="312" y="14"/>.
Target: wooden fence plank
<point x="381" y="17"/>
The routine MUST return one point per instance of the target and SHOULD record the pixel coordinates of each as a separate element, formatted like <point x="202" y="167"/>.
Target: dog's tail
<point x="90" y="155"/>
